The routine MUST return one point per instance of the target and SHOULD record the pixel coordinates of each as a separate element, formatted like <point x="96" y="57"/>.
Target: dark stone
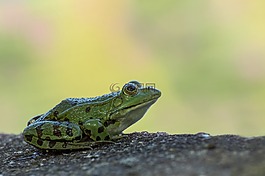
<point x="140" y="154"/>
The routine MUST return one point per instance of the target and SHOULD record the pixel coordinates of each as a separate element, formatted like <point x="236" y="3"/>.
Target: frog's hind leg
<point x="52" y="134"/>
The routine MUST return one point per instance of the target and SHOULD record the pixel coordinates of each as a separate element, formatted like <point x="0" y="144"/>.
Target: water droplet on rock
<point x="203" y="135"/>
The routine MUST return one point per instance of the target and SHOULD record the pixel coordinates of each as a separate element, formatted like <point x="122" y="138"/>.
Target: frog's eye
<point x="130" y="89"/>
<point x="139" y="85"/>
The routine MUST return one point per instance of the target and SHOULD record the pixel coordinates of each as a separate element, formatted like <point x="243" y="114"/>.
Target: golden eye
<point x="130" y="89"/>
<point x="139" y="85"/>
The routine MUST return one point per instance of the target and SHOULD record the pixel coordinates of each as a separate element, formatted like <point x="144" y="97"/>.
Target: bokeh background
<point x="207" y="57"/>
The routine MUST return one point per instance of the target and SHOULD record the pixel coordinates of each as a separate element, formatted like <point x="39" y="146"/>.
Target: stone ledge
<point x="141" y="154"/>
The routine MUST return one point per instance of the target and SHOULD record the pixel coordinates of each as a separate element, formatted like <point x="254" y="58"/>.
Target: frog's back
<point x="98" y="99"/>
<point x="58" y="109"/>
<point x="71" y="102"/>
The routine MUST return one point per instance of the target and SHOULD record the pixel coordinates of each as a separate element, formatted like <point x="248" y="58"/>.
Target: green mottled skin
<point x="77" y="123"/>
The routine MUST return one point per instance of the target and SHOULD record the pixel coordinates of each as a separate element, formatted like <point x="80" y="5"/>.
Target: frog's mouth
<point x="127" y="116"/>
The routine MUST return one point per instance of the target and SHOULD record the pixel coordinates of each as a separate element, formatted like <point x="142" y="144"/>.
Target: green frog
<point x="77" y="123"/>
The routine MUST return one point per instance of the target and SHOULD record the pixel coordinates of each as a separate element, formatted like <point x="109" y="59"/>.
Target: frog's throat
<point x="128" y="116"/>
<point x="130" y="109"/>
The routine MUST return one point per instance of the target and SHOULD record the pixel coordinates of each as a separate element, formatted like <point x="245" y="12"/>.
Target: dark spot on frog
<point x="88" y="132"/>
<point x="78" y="138"/>
<point x="39" y="131"/>
<point x="56" y="131"/>
<point x="39" y="142"/>
<point x="56" y="113"/>
<point x="48" y="138"/>
<point x="100" y="129"/>
<point x="85" y="138"/>
<point x="69" y="132"/>
<point x="98" y="138"/>
<point x="109" y="122"/>
<point x="80" y="123"/>
<point x="88" y="109"/>
<point x="28" y="137"/>
<point x="64" y="145"/>
<point x="107" y="138"/>
<point x="52" y="144"/>
<point x="66" y="119"/>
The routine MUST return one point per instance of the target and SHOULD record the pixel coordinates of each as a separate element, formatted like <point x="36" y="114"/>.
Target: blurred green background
<point x="207" y="57"/>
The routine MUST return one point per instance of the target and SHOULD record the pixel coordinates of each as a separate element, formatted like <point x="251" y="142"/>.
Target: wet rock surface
<point x="145" y="154"/>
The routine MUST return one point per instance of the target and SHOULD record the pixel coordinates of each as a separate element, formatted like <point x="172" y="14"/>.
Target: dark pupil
<point x="130" y="88"/>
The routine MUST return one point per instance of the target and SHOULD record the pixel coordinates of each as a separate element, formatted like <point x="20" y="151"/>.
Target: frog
<point x="79" y="123"/>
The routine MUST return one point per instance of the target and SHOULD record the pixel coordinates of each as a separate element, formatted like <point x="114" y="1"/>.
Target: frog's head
<point x="130" y="106"/>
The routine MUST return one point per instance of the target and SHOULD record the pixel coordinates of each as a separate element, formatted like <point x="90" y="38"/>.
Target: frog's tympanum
<point x="76" y="123"/>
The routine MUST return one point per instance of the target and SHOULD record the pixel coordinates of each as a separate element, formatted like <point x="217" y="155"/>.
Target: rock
<point x="145" y="154"/>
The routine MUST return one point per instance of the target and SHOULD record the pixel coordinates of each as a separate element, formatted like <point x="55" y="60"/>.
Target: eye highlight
<point x="139" y="85"/>
<point x="130" y="89"/>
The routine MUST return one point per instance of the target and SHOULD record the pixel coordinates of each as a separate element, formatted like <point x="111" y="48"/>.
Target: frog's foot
<point x="120" y="136"/>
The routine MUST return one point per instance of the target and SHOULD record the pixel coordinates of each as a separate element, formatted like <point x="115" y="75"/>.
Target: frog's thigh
<point x="96" y="130"/>
<point x="53" y="131"/>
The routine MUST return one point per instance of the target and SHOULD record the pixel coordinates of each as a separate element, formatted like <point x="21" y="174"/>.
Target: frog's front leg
<point x="52" y="134"/>
<point x="95" y="130"/>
